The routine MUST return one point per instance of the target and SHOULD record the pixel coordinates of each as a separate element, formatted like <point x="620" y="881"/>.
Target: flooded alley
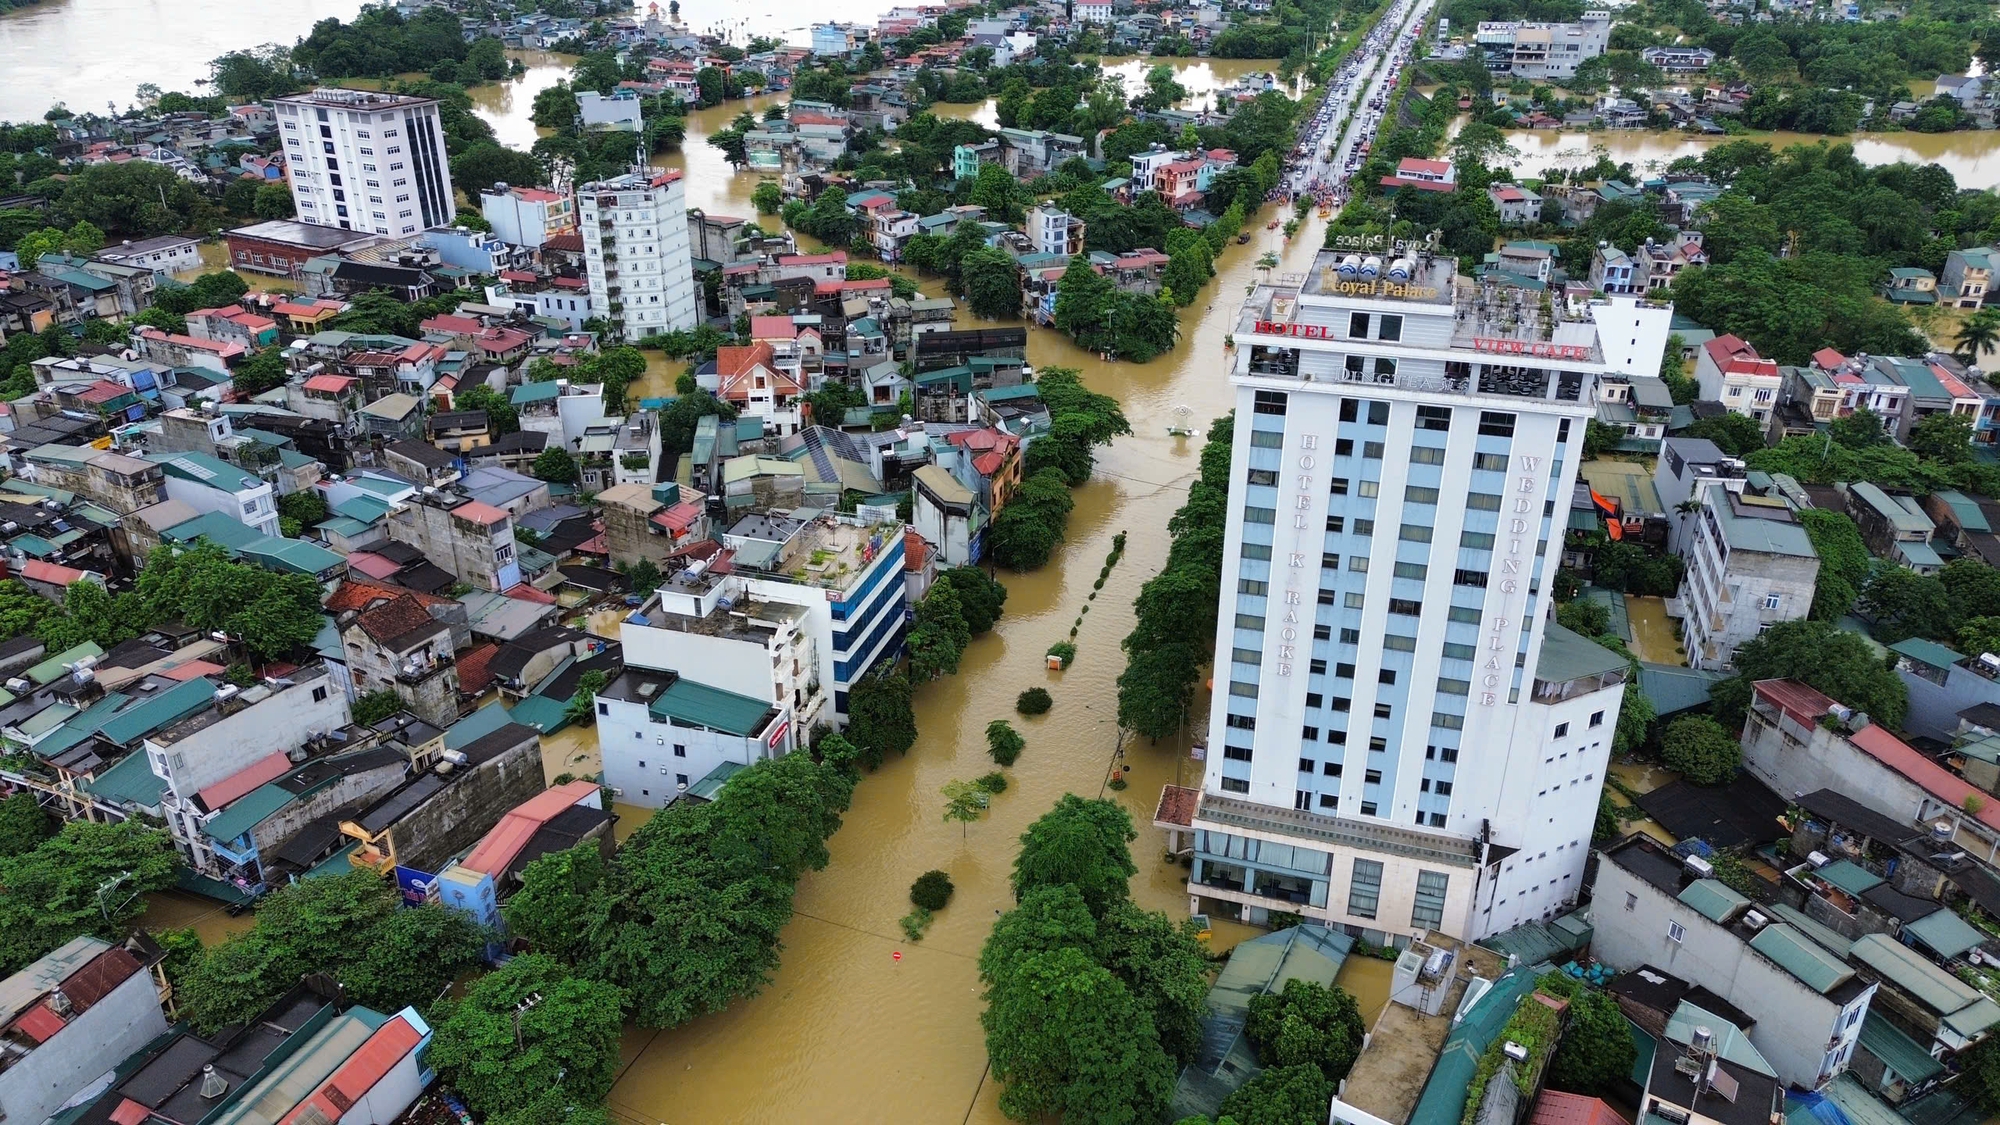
<point x="844" y="1028"/>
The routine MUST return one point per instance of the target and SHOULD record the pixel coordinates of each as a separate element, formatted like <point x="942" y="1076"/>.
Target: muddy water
<point x="846" y="1030"/>
<point x="174" y="910"/>
<point x="1973" y="158"/>
<point x="507" y="105"/>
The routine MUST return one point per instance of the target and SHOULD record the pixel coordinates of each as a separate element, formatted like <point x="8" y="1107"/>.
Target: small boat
<point x="1242" y="239"/>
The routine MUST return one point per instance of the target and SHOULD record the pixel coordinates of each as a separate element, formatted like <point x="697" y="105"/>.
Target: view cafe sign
<point x="1502" y="346"/>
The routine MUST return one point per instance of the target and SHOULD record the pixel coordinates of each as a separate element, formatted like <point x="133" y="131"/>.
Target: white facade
<point x="89" y="1044"/>
<point x="619" y="111"/>
<point x="1544" y="50"/>
<point x="651" y="754"/>
<point x="366" y="161"/>
<point x="1744" y="574"/>
<point x="526" y="216"/>
<point x="1053" y="230"/>
<point x="209" y="485"/>
<point x="1633" y="334"/>
<point x="1089" y="12"/>
<point x="1401" y="471"/>
<point x="636" y="252"/>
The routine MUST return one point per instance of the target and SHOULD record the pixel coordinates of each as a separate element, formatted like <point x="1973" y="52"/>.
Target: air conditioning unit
<point x="1699" y="867"/>
<point x="1818" y="859"/>
<point x="1754" y="920"/>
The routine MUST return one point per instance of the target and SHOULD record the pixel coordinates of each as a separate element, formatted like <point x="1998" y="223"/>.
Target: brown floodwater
<point x="847" y="1032"/>
<point x="1972" y="157"/>
<point x="177" y="910"/>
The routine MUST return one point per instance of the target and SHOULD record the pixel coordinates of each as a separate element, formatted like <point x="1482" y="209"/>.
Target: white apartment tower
<point x="366" y="161"/>
<point x="635" y="243"/>
<point x="1401" y="740"/>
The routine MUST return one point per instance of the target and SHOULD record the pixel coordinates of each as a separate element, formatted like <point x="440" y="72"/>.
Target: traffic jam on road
<point x="1321" y="168"/>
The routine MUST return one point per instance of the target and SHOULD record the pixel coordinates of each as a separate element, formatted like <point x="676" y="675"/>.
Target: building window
<point x="319" y="694"/>
<point x="1270" y="402"/>
<point x="1771" y="601"/>
<point x="1482" y="501"/>
<point x="1428" y="911"/>
<point x="604" y="708"/>
<point x="1676" y="931"/>
<point x="1562" y="729"/>
<point x="1364" y="889"/>
<point x="1492" y="462"/>
<point x="1631" y="902"/>
<point x="1235" y="785"/>
<point x="1597" y="718"/>
<point x="1496" y="423"/>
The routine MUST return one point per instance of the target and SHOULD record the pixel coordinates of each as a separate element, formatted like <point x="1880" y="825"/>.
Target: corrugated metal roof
<point x="1848" y="876"/>
<point x="1568" y="655"/>
<point x="1945" y="933"/>
<point x="1897" y="1051"/>
<point x="1833" y="940"/>
<point x="1730" y="1043"/>
<point x="1926" y="652"/>
<point x="1911" y="972"/>
<point x="1712" y="899"/>
<point x="1772" y="537"/>
<point x="247" y="812"/>
<point x="700" y="705"/>
<point x="1820" y="970"/>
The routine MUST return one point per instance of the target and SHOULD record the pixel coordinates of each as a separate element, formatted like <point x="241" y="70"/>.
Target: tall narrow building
<point x="367" y="161"/>
<point x="635" y="242"/>
<point x="1401" y="739"/>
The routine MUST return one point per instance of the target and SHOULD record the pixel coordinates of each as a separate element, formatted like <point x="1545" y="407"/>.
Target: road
<point x="1373" y="70"/>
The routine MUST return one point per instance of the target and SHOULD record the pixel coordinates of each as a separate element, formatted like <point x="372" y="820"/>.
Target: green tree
<point x="555" y="465"/>
<point x="1837" y="664"/>
<point x="501" y="417"/>
<point x="1596" y="1048"/>
<point x="1079" y="843"/>
<point x="964" y="801"/>
<point x="582" y="709"/>
<point x="561" y="908"/>
<point x="374" y="706"/>
<point x="1901" y="603"/>
<point x="1944" y="436"/>
<point x="1039" y="1018"/>
<point x="767" y="198"/>
<point x="23" y="825"/>
<point x="1164" y="965"/>
<point x="1696" y="747"/>
<point x="1844" y="561"/>
<point x="1980" y="1067"/>
<point x="1003" y="743"/>
<point x="1283" y="1095"/>
<point x="881" y="718"/>
<point x="1157" y="687"/>
<point x="980" y="598"/>
<point x="272" y="201"/>
<point x="1859" y="430"/>
<point x="272" y="613"/>
<point x="530" y="1027"/>
<point x="991" y="282"/>
<point x="1977" y="335"/>
<point x="1306" y="1024"/>
<point x="1735" y="434"/>
<point x="1027" y="530"/>
<point x="938" y="634"/>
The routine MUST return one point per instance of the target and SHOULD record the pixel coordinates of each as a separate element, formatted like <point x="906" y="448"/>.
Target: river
<point x="1973" y="157"/>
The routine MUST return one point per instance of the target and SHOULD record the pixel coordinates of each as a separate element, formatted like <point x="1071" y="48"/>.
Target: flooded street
<point x="845" y="1029"/>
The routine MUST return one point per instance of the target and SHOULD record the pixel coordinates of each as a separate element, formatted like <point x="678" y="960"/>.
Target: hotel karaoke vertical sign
<point x="1303" y="483"/>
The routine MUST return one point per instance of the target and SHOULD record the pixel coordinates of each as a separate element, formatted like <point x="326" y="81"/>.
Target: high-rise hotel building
<point x="366" y="161"/>
<point x="636" y="254"/>
<point x="1401" y="738"/>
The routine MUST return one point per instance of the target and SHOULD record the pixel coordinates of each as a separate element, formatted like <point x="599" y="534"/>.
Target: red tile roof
<point x="331" y="384"/>
<point x="499" y="341"/>
<point x="1828" y="358"/>
<point x="454" y="325"/>
<point x="394" y="619"/>
<point x="500" y="846"/>
<point x="569" y="241"/>
<point x="35" y="570"/>
<point x="1801" y="703"/>
<point x="1728" y="346"/>
<point x="190" y="669"/>
<point x="835" y="257"/>
<point x="915" y="550"/>
<point x="679" y="517"/>
<point x="475" y="671"/>
<point x="1555" y="1107"/>
<point x="483" y="514"/>
<point x="772" y="328"/>
<point x="1177" y="805"/>
<point x="357" y="594"/>
<point x="227" y="791"/>
<point x="103" y="391"/>
<point x="1412" y="164"/>
<point x="1948" y="787"/>
<point x="527" y="593"/>
<point x="379" y="1055"/>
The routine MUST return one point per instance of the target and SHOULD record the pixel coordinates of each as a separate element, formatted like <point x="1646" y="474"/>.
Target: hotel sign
<point x="1333" y="285"/>
<point x="1501" y="346"/>
<point x="1501" y="640"/>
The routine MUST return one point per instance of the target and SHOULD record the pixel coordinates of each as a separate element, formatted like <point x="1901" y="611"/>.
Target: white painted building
<point x="1400" y="739"/>
<point x="660" y="732"/>
<point x="76" y="1013"/>
<point x="617" y="111"/>
<point x="1750" y="566"/>
<point x="526" y="216"/>
<point x="364" y="160"/>
<point x="1093" y="11"/>
<point x="636" y="254"/>
<point x="209" y="484"/>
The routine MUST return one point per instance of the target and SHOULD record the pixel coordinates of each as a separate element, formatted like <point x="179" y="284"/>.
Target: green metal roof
<point x="1536" y="942"/>
<point x="1256" y="967"/>
<point x="1965" y="510"/>
<point x="51" y="670"/>
<point x="341" y="525"/>
<point x="1849" y="876"/>
<point x="132" y="781"/>
<point x="46" y="720"/>
<point x="231" y="535"/>
<point x="1974" y="1017"/>
<point x="1568" y="655"/>
<point x="476" y="726"/>
<point x="689" y="704"/>
<point x="1897" y="1051"/>
<point x="366" y="509"/>
<point x="1712" y="899"/>
<point x="1772" y="537"/>
<point x="535" y="392"/>
<point x="1914" y="974"/>
<point x="1674" y="689"/>
<point x="1618" y="619"/>
<point x="1442" y="1101"/>
<point x="1981" y="749"/>
<point x="170" y="706"/>
<point x="247" y="812"/>
<point x="1798" y="955"/>
<point x="1926" y="652"/>
<point x="204" y="469"/>
<point x="294" y="555"/>
<point x="1832" y="939"/>
<point x="711" y="782"/>
<point x="1900" y="517"/>
<point x="544" y="714"/>
<point x="1857" y="1104"/>
<point x="1919" y="554"/>
<point x="1945" y="933"/>
<point x="32" y="544"/>
<point x="82" y="726"/>
<point x="1730" y="1042"/>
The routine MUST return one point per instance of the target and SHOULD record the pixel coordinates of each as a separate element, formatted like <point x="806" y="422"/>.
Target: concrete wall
<point x="351" y="789"/>
<point x="647" y="760"/>
<point x="732" y="665"/>
<point x="1794" y="1023"/>
<point x="458" y="815"/>
<point x="93" y="1043"/>
<point x="1934" y="707"/>
<point x="279" y="722"/>
<point x="1827" y="761"/>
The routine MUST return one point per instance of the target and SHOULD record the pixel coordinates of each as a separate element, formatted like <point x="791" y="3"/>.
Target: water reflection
<point x="1972" y="157"/>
